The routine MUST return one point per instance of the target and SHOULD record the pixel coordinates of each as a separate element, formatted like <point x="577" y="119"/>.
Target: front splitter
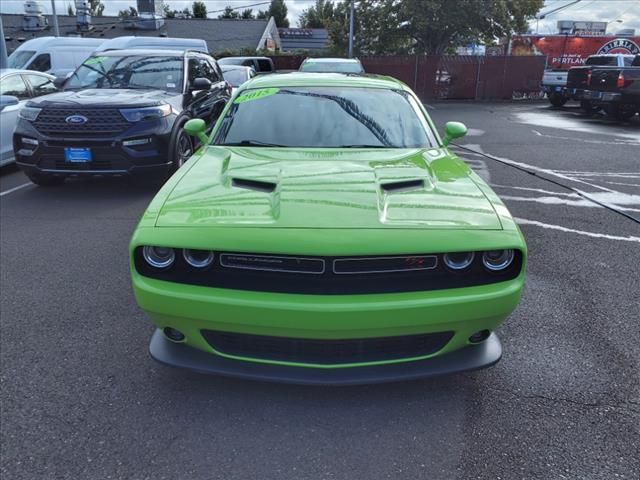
<point x="178" y="355"/>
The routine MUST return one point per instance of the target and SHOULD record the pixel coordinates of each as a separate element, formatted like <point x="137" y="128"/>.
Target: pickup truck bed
<point x="616" y="89"/>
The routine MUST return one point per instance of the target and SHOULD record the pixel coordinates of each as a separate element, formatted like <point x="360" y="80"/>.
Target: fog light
<point x="198" y="258"/>
<point x="137" y="141"/>
<point x="159" y="257"/>
<point x="480" y="336"/>
<point x="29" y="141"/>
<point x="173" y="334"/>
<point x="495" y="260"/>
<point x="458" y="261"/>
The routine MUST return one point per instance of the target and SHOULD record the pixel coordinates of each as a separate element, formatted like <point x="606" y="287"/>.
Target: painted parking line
<point x="11" y="190"/>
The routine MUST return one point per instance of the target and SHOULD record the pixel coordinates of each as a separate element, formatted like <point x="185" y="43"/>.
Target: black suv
<point x="121" y="112"/>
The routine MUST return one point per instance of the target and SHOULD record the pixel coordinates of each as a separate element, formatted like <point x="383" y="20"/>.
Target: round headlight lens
<point x="198" y="258"/>
<point x="159" y="257"/>
<point x="496" y="260"/>
<point x="458" y="261"/>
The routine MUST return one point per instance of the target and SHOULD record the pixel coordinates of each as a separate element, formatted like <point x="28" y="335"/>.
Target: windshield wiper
<point x="250" y="143"/>
<point x="365" y="146"/>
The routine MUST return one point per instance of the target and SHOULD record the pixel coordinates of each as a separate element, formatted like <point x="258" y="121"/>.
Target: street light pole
<point x="56" y="30"/>
<point x="353" y="8"/>
<point x="3" y="48"/>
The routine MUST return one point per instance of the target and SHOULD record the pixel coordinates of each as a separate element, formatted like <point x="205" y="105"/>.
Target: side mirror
<point x="201" y="83"/>
<point x="59" y="82"/>
<point x="453" y="130"/>
<point x="7" y="101"/>
<point x="197" y="128"/>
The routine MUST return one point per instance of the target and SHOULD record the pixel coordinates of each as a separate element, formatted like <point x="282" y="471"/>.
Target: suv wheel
<point x="182" y="148"/>
<point x="557" y="100"/>
<point x="45" y="180"/>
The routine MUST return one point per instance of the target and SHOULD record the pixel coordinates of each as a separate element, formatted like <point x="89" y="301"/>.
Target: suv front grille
<point x="100" y="121"/>
<point x="326" y="352"/>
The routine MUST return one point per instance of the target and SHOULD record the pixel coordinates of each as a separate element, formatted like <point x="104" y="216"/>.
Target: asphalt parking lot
<point x="81" y="399"/>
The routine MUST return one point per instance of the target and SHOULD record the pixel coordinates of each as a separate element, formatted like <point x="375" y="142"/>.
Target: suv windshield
<point x="19" y="58"/>
<point x="338" y="117"/>
<point x="144" y="72"/>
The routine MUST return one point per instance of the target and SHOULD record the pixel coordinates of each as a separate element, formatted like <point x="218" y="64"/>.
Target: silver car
<point x="16" y="87"/>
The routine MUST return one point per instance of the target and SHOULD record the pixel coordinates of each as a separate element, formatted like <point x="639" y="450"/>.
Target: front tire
<point x="182" y="148"/>
<point x="557" y="100"/>
<point x="45" y="180"/>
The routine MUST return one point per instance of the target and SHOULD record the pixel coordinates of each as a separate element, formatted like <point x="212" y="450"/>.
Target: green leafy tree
<point x="199" y="10"/>
<point x="229" y="13"/>
<point x="70" y="11"/>
<point x="278" y="10"/>
<point x="319" y="15"/>
<point x="263" y="15"/>
<point x="168" y="13"/>
<point x="132" y="12"/>
<point x="96" y="7"/>
<point x="247" y="14"/>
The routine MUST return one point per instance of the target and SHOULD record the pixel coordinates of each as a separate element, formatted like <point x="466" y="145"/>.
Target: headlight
<point x="29" y="113"/>
<point x="458" y="261"/>
<point x="198" y="258"/>
<point x="159" y="257"/>
<point x="495" y="260"/>
<point x="146" y="113"/>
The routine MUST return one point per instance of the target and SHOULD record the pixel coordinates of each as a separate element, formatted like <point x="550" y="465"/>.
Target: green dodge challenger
<point x="325" y="234"/>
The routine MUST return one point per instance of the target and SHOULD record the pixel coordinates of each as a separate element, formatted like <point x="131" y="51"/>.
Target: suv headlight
<point x="29" y="113"/>
<point x="145" y="113"/>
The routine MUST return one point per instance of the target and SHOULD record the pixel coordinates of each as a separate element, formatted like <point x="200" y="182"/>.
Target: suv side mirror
<point x="7" y="101"/>
<point x="453" y="130"/>
<point x="59" y="82"/>
<point x="201" y="83"/>
<point x="197" y="128"/>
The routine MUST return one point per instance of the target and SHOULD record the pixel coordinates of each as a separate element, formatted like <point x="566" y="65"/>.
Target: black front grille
<point x="100" y="121"/>
<point x="328" y="352"/>
<point x="329" y="275"/>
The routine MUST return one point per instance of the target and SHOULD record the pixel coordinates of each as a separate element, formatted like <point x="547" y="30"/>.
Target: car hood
<point x="103" y="97"/>
<point x="327" y="188"/>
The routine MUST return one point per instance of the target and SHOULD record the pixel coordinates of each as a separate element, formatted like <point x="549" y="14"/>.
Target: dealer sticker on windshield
<point x="256" y="94"/>
<point x="95" y="60"/>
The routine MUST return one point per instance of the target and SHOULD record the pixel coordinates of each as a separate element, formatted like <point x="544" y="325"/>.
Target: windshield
<point x="235" y="77"/>
<point x="602" y="61"/>
<point x="19" y="58"/>
<point x="331" y="67"/>
<point x="338" y="117"/>
<point x="144" y="72"/>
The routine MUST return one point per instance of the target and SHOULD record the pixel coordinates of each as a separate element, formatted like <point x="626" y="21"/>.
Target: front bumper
<point x="45" y="154"/>
<point x="472" y="357"/>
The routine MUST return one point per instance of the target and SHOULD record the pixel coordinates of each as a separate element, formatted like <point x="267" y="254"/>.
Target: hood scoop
<point x="257" y="185"/>
<point x="402" y="186"/>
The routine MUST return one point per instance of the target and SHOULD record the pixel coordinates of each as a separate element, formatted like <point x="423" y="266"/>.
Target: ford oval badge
<point x="76" y="119"/>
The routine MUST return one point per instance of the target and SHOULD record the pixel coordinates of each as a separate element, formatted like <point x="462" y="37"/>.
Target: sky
<point x="586" y="10"/>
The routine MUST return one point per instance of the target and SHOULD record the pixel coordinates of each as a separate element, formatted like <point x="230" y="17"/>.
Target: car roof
<point x="7" y="71"/>
<point x="332" y="60"/>
<point x="244" y="58"/>
<point x="40" y="42"/>
<point x="229" y="67"/>
<point x="307" y="79"/>
<point x="168" y="52"/>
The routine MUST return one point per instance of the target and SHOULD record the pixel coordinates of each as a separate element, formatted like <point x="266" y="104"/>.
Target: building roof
<point x="313" y="39"/>
<point x="219" y="34"/>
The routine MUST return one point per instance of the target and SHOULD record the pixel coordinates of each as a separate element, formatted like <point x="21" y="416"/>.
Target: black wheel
<point x="620" y="111"/>
<point x="557" y="100"/>
<point x="182" y="148"/>
<point x="588" y="107"/>
<point x="45" y="180"/>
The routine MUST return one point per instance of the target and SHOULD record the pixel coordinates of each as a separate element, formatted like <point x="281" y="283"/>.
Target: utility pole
<point x="353" y="11"/>
<point x="3" y="48"/>
<point x="56" y="30"/>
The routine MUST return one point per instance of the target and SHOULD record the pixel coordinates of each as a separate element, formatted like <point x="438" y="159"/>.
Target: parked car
<point x="16" y="88"/>
<point x="578" y="77"/>
<point x="259" y="64"/>
<point x="332" y="65"/>
<point x="236" y="75"/>
<point x="58" y="56"/>
<point x="153" y="43"/>
<point x="338" y="242"/>
<point x="121" y="112"/>
<point x="617" y="90"/>
<point x="553" y="84"/>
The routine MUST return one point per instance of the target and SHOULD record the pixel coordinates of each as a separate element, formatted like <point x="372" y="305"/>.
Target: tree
<point x="247" y="14"/>
<point x="229" y="13"/>
<point x="96" y="7"/>
<point x="263" y="15"/>
<point x="70" y="11"/>
<point x="278" y="10"/>
<point x="199" y="10"/>
<point x="132" y="12"/>
<point x="168" y="13"/>
<point x="319" y="15"/>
